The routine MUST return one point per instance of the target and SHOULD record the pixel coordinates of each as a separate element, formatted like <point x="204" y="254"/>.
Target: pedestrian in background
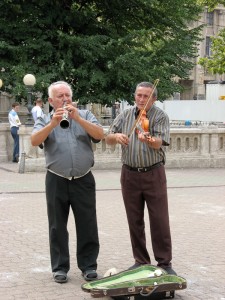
<point x="37" y="110"/>
<point x="14" y="122"/>
<point x="69" y="180"/>
<point x="143" y="177"/>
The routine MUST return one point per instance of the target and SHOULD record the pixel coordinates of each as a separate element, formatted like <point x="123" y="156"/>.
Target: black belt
<point x="144" y="169"/>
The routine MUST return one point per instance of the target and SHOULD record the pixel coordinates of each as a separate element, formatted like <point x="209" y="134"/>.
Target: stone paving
<point x="197" y="217"/>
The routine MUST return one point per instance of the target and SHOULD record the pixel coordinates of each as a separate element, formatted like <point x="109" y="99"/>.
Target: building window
<point x="208" y="44"/>
<point x="209" y="18"/>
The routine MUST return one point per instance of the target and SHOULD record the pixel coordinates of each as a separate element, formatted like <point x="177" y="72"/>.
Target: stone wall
<point x="190" y="147"/>
<point x="200" y="147"/>
<point x="6" y="101"/>
<point x="6" y="143"/>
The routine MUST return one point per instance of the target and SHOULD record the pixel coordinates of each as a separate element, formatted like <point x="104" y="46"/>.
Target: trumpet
<point x="64" y="123"/>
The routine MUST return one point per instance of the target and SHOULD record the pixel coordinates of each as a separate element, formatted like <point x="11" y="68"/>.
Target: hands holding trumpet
<point x="62" y="115"/>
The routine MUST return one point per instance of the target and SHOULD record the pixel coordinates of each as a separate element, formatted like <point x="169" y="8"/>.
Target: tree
<point x="211" y="4"/>
<point x="102" y="48"/>
<point x="215" y="64"/>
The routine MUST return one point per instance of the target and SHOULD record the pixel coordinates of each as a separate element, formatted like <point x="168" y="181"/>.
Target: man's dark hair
<point x="15" y="104"/>
<point x="148" y="85"/>
<point x="39" y="100"/>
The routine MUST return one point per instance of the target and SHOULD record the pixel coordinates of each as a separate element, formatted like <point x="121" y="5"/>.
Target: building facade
<point x="195" y="87"/>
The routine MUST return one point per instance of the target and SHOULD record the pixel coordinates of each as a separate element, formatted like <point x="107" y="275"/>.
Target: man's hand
<point x="72" y="112"/>
<point x="122" y="139"/>
<point x="57" y="117"/>
<point x="145" y="137"/>
<point x="153" y="142"/>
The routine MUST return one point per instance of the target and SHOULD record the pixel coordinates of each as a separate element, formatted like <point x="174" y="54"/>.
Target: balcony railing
<point x="190" y="147"/>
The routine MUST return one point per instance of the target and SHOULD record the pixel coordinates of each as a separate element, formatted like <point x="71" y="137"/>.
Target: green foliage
<point x="216" y="63"/>
<point x="211" y="4"/>
<point x="102" y="48"/>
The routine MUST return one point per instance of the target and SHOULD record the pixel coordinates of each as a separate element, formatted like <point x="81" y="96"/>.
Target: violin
<point x="143" y="122"/>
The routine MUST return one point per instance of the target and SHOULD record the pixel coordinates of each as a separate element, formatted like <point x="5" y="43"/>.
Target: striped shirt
<point x="138" y="154"/>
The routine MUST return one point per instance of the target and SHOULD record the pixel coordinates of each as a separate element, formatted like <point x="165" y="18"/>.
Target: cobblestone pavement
<point x="197" y="217"/>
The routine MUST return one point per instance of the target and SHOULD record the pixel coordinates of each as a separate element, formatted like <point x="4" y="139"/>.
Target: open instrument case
<point x="149" y="282"/>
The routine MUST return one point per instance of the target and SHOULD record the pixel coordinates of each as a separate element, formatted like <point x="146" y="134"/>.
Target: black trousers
<point x="79" y="194"/>
<point x="147" y="188"/>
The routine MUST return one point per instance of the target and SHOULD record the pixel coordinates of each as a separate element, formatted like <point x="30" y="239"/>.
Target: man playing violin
<point x="143" y="178"/>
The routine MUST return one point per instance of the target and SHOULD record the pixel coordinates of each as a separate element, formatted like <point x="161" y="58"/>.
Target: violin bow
<point x="141" y="112"/>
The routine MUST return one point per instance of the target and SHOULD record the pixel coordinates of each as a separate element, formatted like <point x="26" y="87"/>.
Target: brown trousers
<point x="150" y="188"/>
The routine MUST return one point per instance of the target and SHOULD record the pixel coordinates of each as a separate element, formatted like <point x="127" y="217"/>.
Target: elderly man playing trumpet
<point x="69" y="180"/>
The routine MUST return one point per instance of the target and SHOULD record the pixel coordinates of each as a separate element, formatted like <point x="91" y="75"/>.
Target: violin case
<point x="144" y="282"/>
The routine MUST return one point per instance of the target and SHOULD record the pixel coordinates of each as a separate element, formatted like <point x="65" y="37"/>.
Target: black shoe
<point x="60" y="277"/>
<point x="136" y="265"/>
<point x="90" y="275"/>
<point x="169" y="270"/>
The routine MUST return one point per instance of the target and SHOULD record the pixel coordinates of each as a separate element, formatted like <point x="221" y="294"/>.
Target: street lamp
<point x="1" y="83"/>
<point x="29" y="80"/>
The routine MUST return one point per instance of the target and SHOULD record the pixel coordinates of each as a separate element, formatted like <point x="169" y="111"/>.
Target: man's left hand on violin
<point x="145" y="137"/>
<point x="153" y="142"/>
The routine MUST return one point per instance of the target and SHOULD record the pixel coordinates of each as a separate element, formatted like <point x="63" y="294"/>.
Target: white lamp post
<point x="29" y="80"/>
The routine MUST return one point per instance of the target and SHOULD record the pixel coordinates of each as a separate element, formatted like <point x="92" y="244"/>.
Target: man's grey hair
<point x="51" y="87"/>
<point x="147" y="85"/>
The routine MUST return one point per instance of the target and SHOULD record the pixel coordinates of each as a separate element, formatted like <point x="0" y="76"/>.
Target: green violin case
<point x="147" y="281"/>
